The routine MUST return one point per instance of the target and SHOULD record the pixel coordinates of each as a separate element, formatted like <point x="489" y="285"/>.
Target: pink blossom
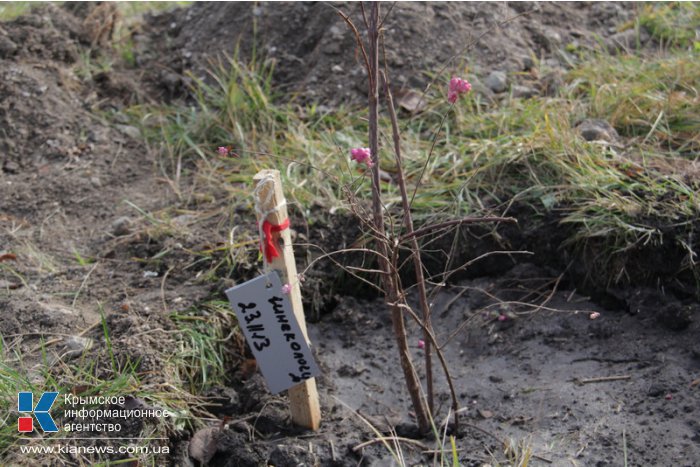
<point x="223" y="151"/>
<point x="286" y="288"/>
<point x="502" y="317"/>
<point x="361" y="155"/>
<point x="457" y="86"/>
<point x="421" y="344"/>
<point x="594" y="315"/>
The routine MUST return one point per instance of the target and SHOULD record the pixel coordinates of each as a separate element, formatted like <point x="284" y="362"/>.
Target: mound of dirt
<point x="64" y="170"/>
<point x="311" y="46"/>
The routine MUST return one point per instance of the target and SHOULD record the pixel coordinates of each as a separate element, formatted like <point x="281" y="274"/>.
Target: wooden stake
<point x="303" y="398"/>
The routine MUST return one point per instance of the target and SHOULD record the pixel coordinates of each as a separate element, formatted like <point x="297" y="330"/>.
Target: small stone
<point x="483" y="91"/>
<point x="552" y="82"/>
<point x="497" y="81"/>
<point x="96" y="182"/>
<point x="594" y="129"/>
<point x="337" y="69"/>
<point x="10" y="167"/>
<point x="627" y="40"/>
<point x="130" y="131"/>
<point x="7" y="47"/>
<point x="336" y="32"/>
<point x="523" y="92"/>
<point x="75" y="346"/>
<point x="553" y="37"/>
<point x="528" y="63"/>
<point x="656" y="390"/>
<point x="121" y="226"/>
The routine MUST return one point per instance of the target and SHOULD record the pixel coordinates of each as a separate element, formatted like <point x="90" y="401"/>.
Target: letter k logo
<point x="25" y="403"/>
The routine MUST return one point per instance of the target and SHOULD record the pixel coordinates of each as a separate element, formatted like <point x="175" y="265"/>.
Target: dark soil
<point x="315" y="58"/>
<point x="70" y="161"/>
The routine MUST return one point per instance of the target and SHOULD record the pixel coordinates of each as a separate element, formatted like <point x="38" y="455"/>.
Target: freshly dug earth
<point x="76" y="178"/>
<point x="315" y="56"/>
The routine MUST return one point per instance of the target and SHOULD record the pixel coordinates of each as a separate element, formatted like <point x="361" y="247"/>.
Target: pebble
<point x="523" y="92"/>
<point x="76" y="345"/>
<point x="483" y="91"/>
<point x="527" y="63"/>
<point x="497" y="81"/>
<point x="656" y="390"/>
<point x="594" y="129"/>
<point x="130" y="131"/>
<point x="121" y="226"/>
<point x="7" y="47"/>
<point x="553" y="37"/>
<point x="10" y="167"/>
<point x="627" y="40"/>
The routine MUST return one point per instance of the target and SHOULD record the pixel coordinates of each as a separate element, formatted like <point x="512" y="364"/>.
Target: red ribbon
<point x="270" y="248"/>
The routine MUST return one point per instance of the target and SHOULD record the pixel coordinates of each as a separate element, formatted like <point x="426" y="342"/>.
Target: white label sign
<point x="268" y="323"/>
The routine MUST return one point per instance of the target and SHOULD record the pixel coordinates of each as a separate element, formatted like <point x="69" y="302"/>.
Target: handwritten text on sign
<point x="265" y="315"/>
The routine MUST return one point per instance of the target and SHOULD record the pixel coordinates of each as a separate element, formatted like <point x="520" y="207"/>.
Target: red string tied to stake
<point x="267" y="246"/>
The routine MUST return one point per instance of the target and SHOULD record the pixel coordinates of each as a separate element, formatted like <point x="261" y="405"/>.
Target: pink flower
<point x="286" y="288"/>
<point x="223" y="151"/>
<point x="361" y="155"/>
<point x="594" y="315"/>
<point x="457" y="86"/>
<point x="421" y="344"/>
<point x="502" y="318"/>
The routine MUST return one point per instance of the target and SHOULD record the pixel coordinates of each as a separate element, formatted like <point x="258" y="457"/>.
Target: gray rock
<point x="130" y="131"/>
<point x="627" y="40"/>
<point x="594" y="129"/>
<point x="7" y="47"/>
<point x="75" y="346"/>
<point x="523" y="92"/>
<point x="527" y="62"/>
<point x="10" y="167"/>
<point x="121" y="226"/>
<point x="497" y="81"/>
<point x="482" y="91"/>
<point x="552" y="82"/>
<point x="553" y="37"/>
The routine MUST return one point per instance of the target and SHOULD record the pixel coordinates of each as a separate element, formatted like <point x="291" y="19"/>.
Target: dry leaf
<point x="8" y="257"/>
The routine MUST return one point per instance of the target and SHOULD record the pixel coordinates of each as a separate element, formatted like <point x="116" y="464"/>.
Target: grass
<point x="672" y="23"/>
<point x="106" y="371"/>
<point x="130" y="10"/>
<point x="205" y="354"/>
<point x="524" y="151"/>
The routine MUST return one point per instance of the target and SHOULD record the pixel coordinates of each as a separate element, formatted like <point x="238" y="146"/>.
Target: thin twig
<point x="601" y="379"/>
<point x="162" y="289"/>
<point x="382" y="439"/>
<point x="465" y="220"/>
<point x="415" y="248"/>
